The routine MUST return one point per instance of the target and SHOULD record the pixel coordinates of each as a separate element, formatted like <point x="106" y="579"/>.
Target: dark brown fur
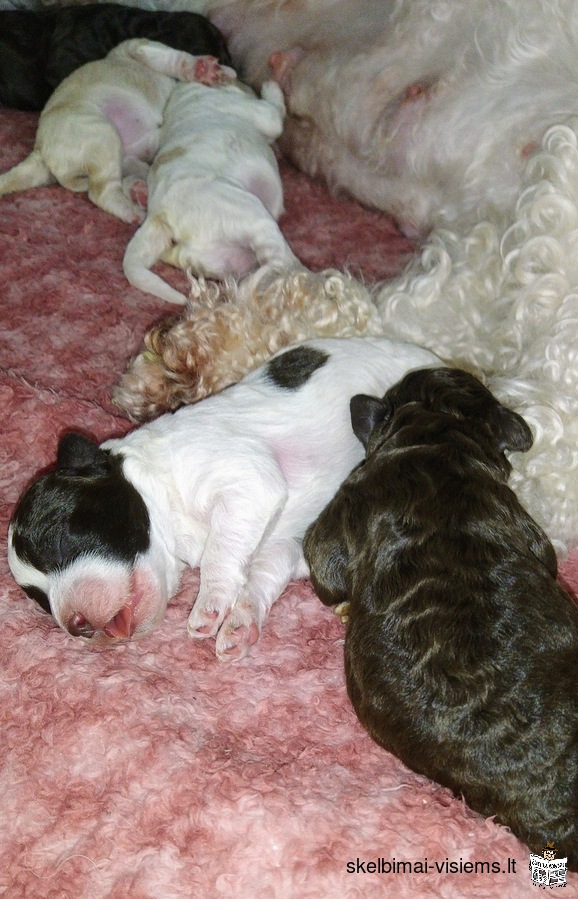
<point x="461" y="650"/>
<point x="39" y="48"/>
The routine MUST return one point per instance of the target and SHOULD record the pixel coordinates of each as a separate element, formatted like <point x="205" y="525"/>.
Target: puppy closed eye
<point x="39" y="596"/>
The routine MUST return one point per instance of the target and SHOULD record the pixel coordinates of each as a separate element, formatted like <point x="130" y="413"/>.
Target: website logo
<point x="547" y="870"/>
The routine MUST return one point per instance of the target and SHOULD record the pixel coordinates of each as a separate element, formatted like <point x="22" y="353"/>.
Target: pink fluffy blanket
<point x="154" y="770"/>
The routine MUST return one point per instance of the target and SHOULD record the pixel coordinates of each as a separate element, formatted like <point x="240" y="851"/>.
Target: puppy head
<point x="425" y="397"/>
<point x="77" y="544"/>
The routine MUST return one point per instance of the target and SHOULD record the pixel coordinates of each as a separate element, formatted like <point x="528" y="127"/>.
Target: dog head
<point x="448" y="398"/>
<point x="78" y="544"/>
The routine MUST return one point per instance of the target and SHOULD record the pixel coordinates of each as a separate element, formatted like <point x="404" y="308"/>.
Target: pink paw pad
<point x="209" y="71"/>
<point x="139" y="192"/>
<point x="234" y="644"/>
<point x="207" y="626"/>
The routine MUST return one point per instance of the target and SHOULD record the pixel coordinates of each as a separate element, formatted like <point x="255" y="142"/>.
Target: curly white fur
<point x="502" y="301"/>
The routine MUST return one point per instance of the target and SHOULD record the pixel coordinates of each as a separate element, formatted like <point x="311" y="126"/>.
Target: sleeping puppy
<point x="102" y="123"/>
<point x="214" y="189"/>
<point x="229" y="484"/>
<point x="461" y="649"/>
<point x="40" y="48"/>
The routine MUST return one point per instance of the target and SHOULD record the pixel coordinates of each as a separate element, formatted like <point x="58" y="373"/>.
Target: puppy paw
<point x="207" y="70"/>
<point x="342" y="610"/>
<point x="238" y="633"/>
<point x="138" y="192"/>
<point x="203" y="623"/>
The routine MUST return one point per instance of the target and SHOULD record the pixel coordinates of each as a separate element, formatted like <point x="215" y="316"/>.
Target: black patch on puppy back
<point x="291" y="370"/>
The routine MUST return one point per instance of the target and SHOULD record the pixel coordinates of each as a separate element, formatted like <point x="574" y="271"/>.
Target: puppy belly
<point x="229" y="259"/>
<point x="137" y="129"/>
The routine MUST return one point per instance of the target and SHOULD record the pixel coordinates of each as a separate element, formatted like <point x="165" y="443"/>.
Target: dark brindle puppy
<point x="461" y="651"/>
<point x="39" y="49"/>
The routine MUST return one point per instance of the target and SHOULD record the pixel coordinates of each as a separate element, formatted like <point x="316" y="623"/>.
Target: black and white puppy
<point x="40" y="48"/>
<point x="461" y="648"/>
<point x="229" y="484"/>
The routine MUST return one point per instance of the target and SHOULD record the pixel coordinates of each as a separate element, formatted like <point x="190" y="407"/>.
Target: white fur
<point x="102" y="125"/>
<point x="501" y="299"/>
<point x="230" y="485"/>
<point x="214" y="189"/>
<point x="423" y="108"/>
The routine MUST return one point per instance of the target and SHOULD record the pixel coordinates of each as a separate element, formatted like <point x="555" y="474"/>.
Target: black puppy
<point x="461" y="650"/>
<point x="40" y="48"/>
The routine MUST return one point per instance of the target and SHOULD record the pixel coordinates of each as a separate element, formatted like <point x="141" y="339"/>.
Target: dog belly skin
<point x="137" y="126"/>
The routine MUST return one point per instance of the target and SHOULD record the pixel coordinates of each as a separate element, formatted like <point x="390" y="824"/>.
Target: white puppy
<point x="214" y="189"/>
<point x="102" y="123"/>
<point x="229" y="484"/>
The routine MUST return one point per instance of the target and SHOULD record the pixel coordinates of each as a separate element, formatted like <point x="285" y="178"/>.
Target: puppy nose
<point x="78" y="626"/>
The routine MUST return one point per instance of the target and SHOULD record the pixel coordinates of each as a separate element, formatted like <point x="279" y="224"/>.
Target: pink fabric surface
<point x="153" y="770"/>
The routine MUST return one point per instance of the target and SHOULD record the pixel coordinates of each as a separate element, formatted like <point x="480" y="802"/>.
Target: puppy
<point x="229" y="484"/>
<point x="461" y="649"/>
<point x="40" y="48"/>
<point x="102" y="123"/>
<point x="214" y="190"/>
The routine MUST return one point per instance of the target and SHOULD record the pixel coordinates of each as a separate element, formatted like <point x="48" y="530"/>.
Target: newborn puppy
<point x="102" y="123"/>
<point x="40" y="48"/>
<point x="214" y="189"/>
<point x="461" y="649"/>
<point x="229" y="484"/>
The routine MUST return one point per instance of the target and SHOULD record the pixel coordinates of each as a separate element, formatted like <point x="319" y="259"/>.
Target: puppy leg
<point x="134" y="180"/>
<point x="102" y="177"/>
<point x="270" y="247"/>
<point x="273" y="567"/>
<point x="255" y="229"/>
<point x="270" y="111"/>
<point x="238" y="525"/>
<point x="326" y="554"/>
<point x="177" y="63"/>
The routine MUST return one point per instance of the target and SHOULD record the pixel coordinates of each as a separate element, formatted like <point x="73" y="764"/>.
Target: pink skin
<point x="139" y="192"/>
<point x="209" y="71"/>
<point x="282" y="63"/>
<point x="235" y="632"/>
<point x="108" y="610"/>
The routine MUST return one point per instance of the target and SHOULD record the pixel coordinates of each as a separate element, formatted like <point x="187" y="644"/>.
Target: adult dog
<point x="461" y="648"/>
<point x="39" y="48"/>
<point x="229" y="484"/>
<point x="214" y="189"/>
<point x="102" y="123"/>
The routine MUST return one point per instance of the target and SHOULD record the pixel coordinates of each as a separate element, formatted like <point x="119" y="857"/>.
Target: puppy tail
<point x="31" y="172"/>
<point x="146" y="247"/>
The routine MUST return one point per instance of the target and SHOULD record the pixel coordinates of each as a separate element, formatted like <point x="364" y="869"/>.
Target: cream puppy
<point x="214" y="190"/>
<point x="102" y="123"/>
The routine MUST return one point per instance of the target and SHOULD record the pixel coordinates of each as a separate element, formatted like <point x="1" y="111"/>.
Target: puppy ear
<point x="511" y="430"/>
<point x="79" y="456"/>
<point x="366" y="413"/>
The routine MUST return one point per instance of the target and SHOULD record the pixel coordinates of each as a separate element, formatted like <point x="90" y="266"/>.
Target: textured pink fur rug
<point x="154" y="770"/>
